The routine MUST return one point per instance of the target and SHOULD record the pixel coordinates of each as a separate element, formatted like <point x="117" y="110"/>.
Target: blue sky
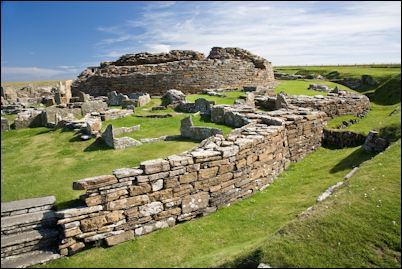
<point x="57" y="40"/>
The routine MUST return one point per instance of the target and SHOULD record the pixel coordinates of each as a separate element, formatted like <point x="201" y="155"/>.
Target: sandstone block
<point x="195" y="202"/>
<point x="92" y="224"/>
<point x="151" y="208"/>
<point x="94" y="182"/>
<point x="120" y="238"/>
<point x="78" y="211"/>
<point x="180" y="160"/>
<point x="189" y="177"/>
<point x="155" y="166"/>
<point x="75" y="248"/>
<point x="72" y="232"/>
<point x="207" y="173"/>
<point x="140" y="189"/>
<point x="137" y="200"/>
<point x="127" y="172"/>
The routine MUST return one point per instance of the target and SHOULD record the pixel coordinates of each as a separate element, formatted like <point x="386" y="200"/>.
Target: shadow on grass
<point x="251" y="260"/>
<point x="69" y="204"/>
<point x="354" y="159"/>
<point x="98" y="144"/>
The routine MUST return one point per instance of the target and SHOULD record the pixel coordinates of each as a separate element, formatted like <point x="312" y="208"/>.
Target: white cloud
<point x="284" y="33"/>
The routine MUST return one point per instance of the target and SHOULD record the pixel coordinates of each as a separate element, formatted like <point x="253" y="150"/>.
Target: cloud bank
<point x="292" y="33"/>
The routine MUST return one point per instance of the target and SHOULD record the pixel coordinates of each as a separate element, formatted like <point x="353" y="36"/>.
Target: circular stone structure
<point x="184" y="70"/>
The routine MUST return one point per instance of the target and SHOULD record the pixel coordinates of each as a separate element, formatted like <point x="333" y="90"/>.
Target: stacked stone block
<point x="29" y="234"/>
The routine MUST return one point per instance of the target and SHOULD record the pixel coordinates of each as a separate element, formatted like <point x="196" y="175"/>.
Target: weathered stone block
<point x="137" y="200"/>
<point x="94" y="182"/>
<point x="72" y="232"/>
<point x="189" y="177"/>
<point x="140" y="189"/>
<point x="92" y="224"/>
<point x="195" y="202"/>
<point x="157" y="185"/>
<point x="127" y="172"/>
<point x="155" y="166"/>
<point x="207" y="173"/>
<point x="151" y="208"/>
<point x="120" y="238"/>
<point x="78" y="211"/>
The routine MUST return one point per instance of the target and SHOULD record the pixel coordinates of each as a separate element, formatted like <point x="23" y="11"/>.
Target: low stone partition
<point x="334" y="104"/>
<point x="197" y="133"/>
<point x="29" y="234"/>
<point x="342" y="139"/>
<point x="113" y="114"/>
<point x="110" y="133"/>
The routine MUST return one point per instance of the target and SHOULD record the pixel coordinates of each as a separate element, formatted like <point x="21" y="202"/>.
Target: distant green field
<point x="30" y="83"/>
<point x="377" y="71"/>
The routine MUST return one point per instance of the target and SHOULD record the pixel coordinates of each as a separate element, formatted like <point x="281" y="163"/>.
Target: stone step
<point x="29" y="259"/>
<point x="24" y="205"/>
<point x="36" y="217"/>
<point x="20" y="238"/>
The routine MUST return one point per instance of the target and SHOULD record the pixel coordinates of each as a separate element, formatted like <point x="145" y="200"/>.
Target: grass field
<point x="30" y="83"/>
<point x="359" y="226"/>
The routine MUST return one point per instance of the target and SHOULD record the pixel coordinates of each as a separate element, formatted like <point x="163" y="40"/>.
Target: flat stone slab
<point x="27" y="218"/>
<point x="27" y="203"/>
<point x="78" y="211"/>
<point x="16" y="239"/>
<point x="29" y="259"/>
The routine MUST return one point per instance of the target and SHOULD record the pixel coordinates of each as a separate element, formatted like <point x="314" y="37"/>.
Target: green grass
<point x="229" y="99"/>
<point x="360" y="226"/>
<point x="356" y="71"/>
<point x="156" y="127"/>
<point x="38" y="162"/>
<point x="379" y="118"/>
<point x="300" y="87"/>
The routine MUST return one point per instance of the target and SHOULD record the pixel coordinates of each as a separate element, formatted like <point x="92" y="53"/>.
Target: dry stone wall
<point x="186" y="71"/>
<point x="160" y="193"/>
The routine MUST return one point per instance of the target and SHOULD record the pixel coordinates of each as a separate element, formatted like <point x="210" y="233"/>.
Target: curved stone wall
<point x="186" y="71"/>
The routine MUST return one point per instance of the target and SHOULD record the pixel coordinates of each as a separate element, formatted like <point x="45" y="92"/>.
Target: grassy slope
<point x="299" y="87"/>
<point x="360" y="226"/>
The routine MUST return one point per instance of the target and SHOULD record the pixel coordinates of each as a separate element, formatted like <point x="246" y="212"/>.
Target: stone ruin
<point x="22" y="97"/>
<point x="128" y="101"/>
<point x="160" y="193"/>
<point x="184" y="70"/>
